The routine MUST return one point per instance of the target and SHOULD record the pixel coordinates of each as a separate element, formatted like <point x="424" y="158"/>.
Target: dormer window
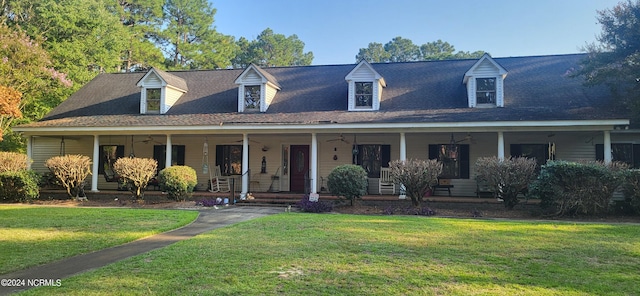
<point x="485" y="83"/>
<point x="160" y="90"/>
<point x="486" y="91"/>
<point x="252" y="97"/>
<point x="256" y="89"/>
<point x="365" y="88"/>
<point x="364" y="94"/>
<point x="153" y="100"/>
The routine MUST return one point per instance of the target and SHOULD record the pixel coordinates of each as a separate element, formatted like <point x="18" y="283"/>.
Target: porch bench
<point x="443" y="185"/>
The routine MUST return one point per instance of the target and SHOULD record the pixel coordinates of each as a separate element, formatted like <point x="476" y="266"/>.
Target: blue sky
<point x="334" y="30"/>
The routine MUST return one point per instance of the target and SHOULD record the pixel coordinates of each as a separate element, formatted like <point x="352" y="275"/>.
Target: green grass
<point x="31" y="235"/>
<point x="311" y="254"/>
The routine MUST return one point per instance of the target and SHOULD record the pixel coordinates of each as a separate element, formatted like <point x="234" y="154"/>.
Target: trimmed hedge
<point x="571" y="188"/>
<point x="178" y="181"/>
<point x="19" y="186"/>
<point x="348" y="181"/>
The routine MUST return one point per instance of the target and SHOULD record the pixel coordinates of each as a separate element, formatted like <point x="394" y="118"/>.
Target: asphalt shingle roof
<point x="536" y="88"/>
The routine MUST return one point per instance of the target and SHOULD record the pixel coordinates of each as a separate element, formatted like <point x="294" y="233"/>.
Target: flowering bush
<point x="308" y="206"/>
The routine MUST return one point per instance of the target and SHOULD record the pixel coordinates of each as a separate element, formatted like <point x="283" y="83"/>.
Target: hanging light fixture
<point x="452" y="148"/>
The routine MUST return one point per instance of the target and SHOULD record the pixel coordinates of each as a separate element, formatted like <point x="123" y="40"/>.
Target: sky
<point x="335" y="30"/>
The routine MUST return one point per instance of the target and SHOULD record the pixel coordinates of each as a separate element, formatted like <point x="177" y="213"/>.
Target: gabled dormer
<point x="365" y="88"/>
<point x="485" y="83"/>
<point x="159" y="91"/>
<point x="256" y="89"/>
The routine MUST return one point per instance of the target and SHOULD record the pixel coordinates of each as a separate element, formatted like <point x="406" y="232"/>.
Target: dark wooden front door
<point x="299" y="167"/>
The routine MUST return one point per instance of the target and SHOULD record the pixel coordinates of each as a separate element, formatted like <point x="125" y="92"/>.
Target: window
<point x="160" y="155"/>
<point x="454" y="158"/>
<point x="372" y="157"/>
<point x="624" y="152"/>
<point x="486" y="91"/>
<point x="364" y="94"/>
<point x="540" y="152"/>
<point x="229" y="158"/>
<point x="252" y="97"/>
<point x="108" y="156"/>
<point x="153" y="100"/>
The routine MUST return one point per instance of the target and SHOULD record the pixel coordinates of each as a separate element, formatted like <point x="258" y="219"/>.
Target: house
<point x="286" y="128"/>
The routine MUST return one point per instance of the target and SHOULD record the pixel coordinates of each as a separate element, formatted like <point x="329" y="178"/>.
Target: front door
<point x="299" y="168"/>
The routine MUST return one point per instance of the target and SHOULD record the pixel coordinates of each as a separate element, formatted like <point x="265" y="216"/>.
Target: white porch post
<point x="403" y="157"/>
<point x="501" y="145"/>
<point x="245" y="166"/>
<point x="313" y="195"/>
<point x="29" y="151"/>
<point x="96" y="163"/>
<point x="169" y="152"/>
<point x="607" y="147"/>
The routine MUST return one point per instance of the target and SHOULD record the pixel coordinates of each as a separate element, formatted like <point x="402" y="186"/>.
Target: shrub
<point x="348" y="181"/>
<point x="631" y="189"/>
<point x="136" y="172"/>
<point x="71" y="171"/>
<point x="178" y="181"/>
<point x="308" y="206"/>
<point x="18" y="186"/>
<point x="570" y="188"/>
<point x="416" y="175"/>
<point x="13" y="162"/>
<point x="506" y="177"/>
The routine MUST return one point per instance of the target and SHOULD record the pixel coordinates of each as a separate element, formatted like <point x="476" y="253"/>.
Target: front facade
<point x="286" y="128"/>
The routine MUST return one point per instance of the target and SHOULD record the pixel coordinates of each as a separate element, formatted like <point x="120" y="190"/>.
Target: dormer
<point x="485" y="83"/>
<point x="160" y="91"/>
<point x="365" y="88"/>
<point x="256" y="89"/>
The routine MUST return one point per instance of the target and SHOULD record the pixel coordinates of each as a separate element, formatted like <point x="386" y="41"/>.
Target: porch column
<point x="607" y="147"/>
<point x="29" y="151"/>
<point x="169" y="152"/>
<point x="501" y="145"/>
<point x="403" y="157"/>
<point x="245" y="166"/>
<point x="314" y="163"/>
<point x="96" y="163"/>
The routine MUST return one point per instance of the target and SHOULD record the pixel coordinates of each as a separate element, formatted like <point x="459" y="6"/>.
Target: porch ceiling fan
<point x="468" y="138"/>
<point x="149" y="139"/>
<point x="341" y="138"/>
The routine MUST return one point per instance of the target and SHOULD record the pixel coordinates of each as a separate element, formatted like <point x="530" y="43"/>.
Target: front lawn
<point x="335" y="254"/>
<point x="32" y="235"/>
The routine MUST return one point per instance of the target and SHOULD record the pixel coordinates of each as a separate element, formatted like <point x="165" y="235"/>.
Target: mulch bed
<point x="486" y="210"/>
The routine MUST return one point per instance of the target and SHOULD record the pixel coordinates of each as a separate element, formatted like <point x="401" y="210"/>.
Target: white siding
<point x="486" y="68"/>
<point x="171" y="96"/>
<point x="268" y="98"/>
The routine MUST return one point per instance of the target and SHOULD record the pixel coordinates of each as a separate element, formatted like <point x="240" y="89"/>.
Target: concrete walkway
<point x="208" y="219"/>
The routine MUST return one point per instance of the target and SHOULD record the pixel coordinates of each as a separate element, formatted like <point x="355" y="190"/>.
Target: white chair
<point x="385" y="184"/>
<point x="219" y="183"/>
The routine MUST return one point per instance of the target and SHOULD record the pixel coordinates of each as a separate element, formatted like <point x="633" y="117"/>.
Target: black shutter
<point x="159" y="155"/>
<point x="220" y="156"/>
<point x="516" y="150"/>
<point x="600" y="152"/>
<point x="181" y="151"/>
<point x="464" y="161"/>
<point x="636" y="156"/>
<point x="433" y="151"/>
<point x="385" y="156"/>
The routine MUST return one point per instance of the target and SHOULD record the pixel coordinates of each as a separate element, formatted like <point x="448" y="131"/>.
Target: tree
<point x="142" y="19"/>
<point x="374" y="53"/>
<point x="403" y="50"/>
<point x="271" y="49"/>
<point x="615" y="61"/>
<point x="189" y="39"/>
<point x="9" y="107"/>
<point x="416" y="175"/>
